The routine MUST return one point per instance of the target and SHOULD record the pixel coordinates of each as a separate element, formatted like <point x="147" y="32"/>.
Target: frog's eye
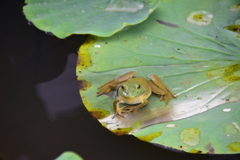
<point x="122" y="87"/>
<point x="138" y="86"/>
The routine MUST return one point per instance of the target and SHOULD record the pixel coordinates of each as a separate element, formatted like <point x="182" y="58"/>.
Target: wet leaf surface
<point x="199" y="63"/>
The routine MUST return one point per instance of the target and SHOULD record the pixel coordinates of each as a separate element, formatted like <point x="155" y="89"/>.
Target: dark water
<point x="41" y="114"/>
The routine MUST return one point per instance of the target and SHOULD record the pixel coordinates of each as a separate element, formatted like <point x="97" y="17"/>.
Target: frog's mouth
<point x="131" y="100"/>
<point x="130" y="96"/>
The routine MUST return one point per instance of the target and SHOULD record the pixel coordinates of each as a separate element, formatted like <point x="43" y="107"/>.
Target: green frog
<point x="135" y="91"/>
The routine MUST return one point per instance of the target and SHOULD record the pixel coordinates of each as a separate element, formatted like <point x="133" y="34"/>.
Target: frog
<point x="135" y="91"/>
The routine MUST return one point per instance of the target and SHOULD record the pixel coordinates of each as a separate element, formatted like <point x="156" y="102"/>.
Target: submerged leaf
<point x="68" y="156"/>
<point x="200" y="64"/>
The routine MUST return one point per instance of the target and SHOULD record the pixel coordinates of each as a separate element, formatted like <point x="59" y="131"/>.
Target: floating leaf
<point x="69" y="156"/>
<point x="97" y="17"/>
<point x="200" y="64"/>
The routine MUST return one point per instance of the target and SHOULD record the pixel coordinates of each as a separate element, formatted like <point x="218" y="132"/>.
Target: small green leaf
<point x="97" y="17"/>
<point x="69" y="156"/>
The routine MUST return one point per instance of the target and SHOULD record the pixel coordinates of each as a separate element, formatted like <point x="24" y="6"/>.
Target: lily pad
<point x="69" y="155"/>
<point x="97" y="17"/>
<point x="199" y="63"/>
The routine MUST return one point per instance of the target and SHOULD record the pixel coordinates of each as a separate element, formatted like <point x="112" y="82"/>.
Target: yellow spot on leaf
<point x="234" y="8"/>
<point x="195" y="151"/>
<point x="84" y="58"/>
<point x="228" y="75"/>
<point x="190" y="136"/>
<point x="235" y="146"/>
<point x="150" y="137"/>
<point x="84" y="61"/>
<point x="234" y="28"/>
<point x="122" y="131"/>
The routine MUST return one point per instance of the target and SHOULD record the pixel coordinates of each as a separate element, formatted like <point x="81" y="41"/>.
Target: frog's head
<point x="131" y="90"/>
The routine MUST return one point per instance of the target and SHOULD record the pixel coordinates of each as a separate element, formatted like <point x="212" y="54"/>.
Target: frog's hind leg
<point x="127" y="109"/>
<point x="161" y="89"/>
<point x="115" y="83"/>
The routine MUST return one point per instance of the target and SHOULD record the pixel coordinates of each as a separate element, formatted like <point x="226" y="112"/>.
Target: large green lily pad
<point x="97" y="17"/>
<point x="183" y="42"/>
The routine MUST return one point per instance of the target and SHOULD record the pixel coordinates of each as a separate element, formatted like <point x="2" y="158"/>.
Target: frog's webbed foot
<point x="115" y="83"/>
<point x="110" y="86"/>
<point x="121" y="111"/>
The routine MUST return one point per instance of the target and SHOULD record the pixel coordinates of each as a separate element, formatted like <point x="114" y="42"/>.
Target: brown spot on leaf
<point x="83" y="85"/>
<point x="209" y="148"/>
<point x="122" y="131"/>
<point x="234" y="28"/>
<point x="187" y="82"/>
<point x="227" y="100"/>
<point x="168" y="24"/>
<point x="99" y="113"/>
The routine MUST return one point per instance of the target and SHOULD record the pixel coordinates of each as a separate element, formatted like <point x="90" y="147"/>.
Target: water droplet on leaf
<point x="226" y="110"/>
<point x="97" y="46"/>
<point x="171" y="125"/>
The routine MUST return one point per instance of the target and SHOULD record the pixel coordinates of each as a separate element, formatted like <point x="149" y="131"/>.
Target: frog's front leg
<point x="134" y="109"/>
<point x="115" y="83"/>
<point x="161" y="89"/>
<point x="117" y="109"/>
